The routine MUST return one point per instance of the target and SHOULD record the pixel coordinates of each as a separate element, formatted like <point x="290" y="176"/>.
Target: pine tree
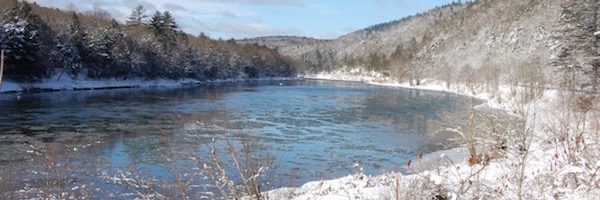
<point x="165" y="30"/>
<point x="68" y="57"/>
<point x="76" y="35"/>
<point x="170" y="30"/>
<point x="99" y="54"/>
<point x="169" y="22"/>
<point x="157" y="23"/>
<point x="137" y="17"/>
<point x="21" y="43"/>
<point x="119" y="51"/>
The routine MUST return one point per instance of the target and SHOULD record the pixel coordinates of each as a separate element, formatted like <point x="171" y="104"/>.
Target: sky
<point x="225" y="19"/>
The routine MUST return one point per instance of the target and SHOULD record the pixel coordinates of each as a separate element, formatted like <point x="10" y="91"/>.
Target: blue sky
<point x="252" y="18"/>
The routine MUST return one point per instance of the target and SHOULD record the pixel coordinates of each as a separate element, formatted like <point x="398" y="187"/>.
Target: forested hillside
<point x="40" y="42"/>
<point x="483" y="41"/>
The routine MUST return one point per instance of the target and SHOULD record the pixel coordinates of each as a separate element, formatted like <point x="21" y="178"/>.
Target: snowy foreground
<point x="561" y="160"/>
<point x="545" y="173"/>
<point x="59" y="83"/>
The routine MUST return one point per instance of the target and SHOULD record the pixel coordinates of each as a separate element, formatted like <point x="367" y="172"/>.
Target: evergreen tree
<point x="77" y="35"/>
<point x="170" y="30"/>
<point x="169" y="22"/>
<point x="157" y="23"/>
<point x="119" y="51"/>
<point x="165" y="30"/>
<point x="21" y="46"/>
<point x="21" y="43"/>
<point x="33" y="49"/>
<point x="68" y="56"/>
<point x="100" y="54"/>
<point x="137" y="17"/>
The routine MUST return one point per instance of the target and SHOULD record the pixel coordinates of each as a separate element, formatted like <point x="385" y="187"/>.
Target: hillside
<point x="498" y="34"/>
<point x="41" y="43"/>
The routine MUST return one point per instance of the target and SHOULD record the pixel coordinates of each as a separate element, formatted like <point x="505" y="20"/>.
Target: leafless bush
<point x="442" y="182"/>
<point x="484" y="133"/>
<point x="574" y="130"/>
<point x="249" y="166"/>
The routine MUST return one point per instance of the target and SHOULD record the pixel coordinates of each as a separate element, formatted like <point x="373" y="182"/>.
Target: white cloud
<point x="187" y="13"/>
<point x="226" y="18"/>
<point x="228" y="14"/>
<point x="174" y="7"/>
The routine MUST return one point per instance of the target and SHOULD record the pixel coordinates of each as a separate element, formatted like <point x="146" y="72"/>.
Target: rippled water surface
<point x="310" y="129"/>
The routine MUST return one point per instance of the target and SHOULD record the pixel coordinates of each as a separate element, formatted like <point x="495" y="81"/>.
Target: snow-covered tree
<point x="20" y="40"/>
<point x="68" y="56"/>
<point x="76" y="38"/>
<point x="165" y="29"/>
<point x="76" y="32"/>
<point x="578" y="57"/>
<point x="99" y="47"/>
<point x="102" y="48"/>
<point x="120" y="51"/>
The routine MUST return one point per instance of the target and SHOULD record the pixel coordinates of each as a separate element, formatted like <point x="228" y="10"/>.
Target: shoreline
<point x="68" y="84"/>
<point x="448" y="172"/>
<point x="365" y="185"/>
<point x="427" y="85"/>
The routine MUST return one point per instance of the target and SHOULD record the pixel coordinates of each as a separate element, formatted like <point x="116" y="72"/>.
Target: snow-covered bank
<point x="494" y="101"/>
<point x="9" y="86"/>
<point x="544" y="172"/>
<point x="348" y="74"/>
<point x="67" y="83"/>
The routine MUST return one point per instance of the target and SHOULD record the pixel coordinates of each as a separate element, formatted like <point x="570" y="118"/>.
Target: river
<point x="302" y="130"/>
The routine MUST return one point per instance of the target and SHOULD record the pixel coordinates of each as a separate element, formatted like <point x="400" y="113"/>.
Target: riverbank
<point x="61" y="83"/>
<point x="541" y="171"/>
<point x="494" y="100"/>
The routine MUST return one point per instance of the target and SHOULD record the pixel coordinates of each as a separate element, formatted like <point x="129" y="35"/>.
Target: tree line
<point x="40" y="42"/>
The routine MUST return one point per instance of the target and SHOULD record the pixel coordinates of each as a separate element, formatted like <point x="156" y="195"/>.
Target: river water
<point x="302" y="130"/>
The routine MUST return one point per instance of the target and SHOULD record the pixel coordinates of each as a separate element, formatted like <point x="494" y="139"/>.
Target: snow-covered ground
<point x="557" y="166"/>
<point x="358" y="75"/>
<point x="57" y="83"/>
<point x="547" y="173"/>
<point x="348" y="74"/>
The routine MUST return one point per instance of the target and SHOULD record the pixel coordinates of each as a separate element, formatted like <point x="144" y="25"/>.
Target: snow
<point x="9" y="86"/>
<point x="375" y="78"/>
<point x="347" y="74"/>
<point x="597" y="34"/>
<point x="64" y="82"/>
<point x="546" y="174"/>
